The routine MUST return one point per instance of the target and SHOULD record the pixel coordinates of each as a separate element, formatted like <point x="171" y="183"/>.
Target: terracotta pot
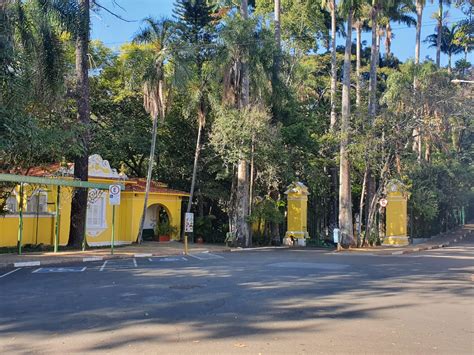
<point x="164" y="238"/>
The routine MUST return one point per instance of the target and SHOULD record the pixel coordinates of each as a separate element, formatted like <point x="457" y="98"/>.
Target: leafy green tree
<point x="196" y="31"/>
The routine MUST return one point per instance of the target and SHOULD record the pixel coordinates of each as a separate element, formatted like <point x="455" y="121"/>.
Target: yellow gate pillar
<point x="297" y="214"/>
<point x="396" y="215"/>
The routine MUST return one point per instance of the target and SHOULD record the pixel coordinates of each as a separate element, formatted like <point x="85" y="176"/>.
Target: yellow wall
<point x="297" y="215"/>
<point x="41" y="229"/>
<point x="396" y="214"/>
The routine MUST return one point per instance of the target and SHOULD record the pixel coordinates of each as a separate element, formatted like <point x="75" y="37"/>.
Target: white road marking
<point x="196" y="257"/>
<point x="103" y="265"/>
<point x="45" y="270"/>
<point x="10" y="272"/>
<point x="27" y="263"/>
<point x="206" y="256"/>
<point x="143" y="255"/>
<point x="93" y="258"/>
<point x="135" y="262"/>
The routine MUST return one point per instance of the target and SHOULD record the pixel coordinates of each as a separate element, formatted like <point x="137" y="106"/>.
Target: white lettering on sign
<point x="188" y="222"/>
<point x="114" y="194"/>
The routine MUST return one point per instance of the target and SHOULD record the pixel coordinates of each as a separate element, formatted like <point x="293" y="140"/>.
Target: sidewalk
<point x="441" y="241"/>
<point x="146" y="249"/>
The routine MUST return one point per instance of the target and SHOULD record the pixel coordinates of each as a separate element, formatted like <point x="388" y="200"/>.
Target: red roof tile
<point x="139" y="185"/>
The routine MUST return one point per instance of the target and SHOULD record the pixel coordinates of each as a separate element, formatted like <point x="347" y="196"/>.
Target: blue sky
<point x="113" y="32"/>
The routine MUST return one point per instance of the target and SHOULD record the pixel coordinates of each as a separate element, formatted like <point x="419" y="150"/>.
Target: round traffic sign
<point x="383" y="202"/>
<point x="114" y="189"/>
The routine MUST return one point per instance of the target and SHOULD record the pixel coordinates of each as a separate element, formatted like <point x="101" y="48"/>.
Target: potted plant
<point x="164" y="231"/>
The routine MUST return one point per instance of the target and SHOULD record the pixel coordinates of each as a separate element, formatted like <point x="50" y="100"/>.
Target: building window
<point x="96" y="214"/>
<point x="38" y="203"/>
<point x="12" y="204"/>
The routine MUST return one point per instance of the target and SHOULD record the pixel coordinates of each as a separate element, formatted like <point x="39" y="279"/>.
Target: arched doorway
<point x="156" y="215"/>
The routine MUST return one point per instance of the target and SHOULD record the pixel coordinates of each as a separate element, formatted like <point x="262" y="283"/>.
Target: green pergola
<point x="22" y="180"/>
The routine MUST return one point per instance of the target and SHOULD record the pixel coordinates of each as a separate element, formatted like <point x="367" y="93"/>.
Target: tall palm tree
<point x="277" y="21"/>
<point x="361" y="14"/>
<point x="449" y="46"/>
<point x="419" y="6"/>
<point x="375" y="8"/>
<point x="397" y="12"/>
<point x="156" y="33"/>
<point x="345" y="200"/>
<point x="332" y="7"/>
<point x="439" y="29"/>
<point x="242" y="227"/>
<point x="195" y="29"/>
<point x="81" y="162"/>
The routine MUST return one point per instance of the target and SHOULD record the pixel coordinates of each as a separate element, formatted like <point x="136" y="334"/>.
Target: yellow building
<point x="39" y="217"/>
<point x="297" y="214"/>
<point x="396" y="215"/>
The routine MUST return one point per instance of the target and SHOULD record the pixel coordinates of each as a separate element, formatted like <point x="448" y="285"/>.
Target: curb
<point x="258" y="248"/>
<point x="431" y="247"/>
<point x="32" y="263"/>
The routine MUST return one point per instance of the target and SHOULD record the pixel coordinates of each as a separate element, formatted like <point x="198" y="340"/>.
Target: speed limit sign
<point x="114" y="194"/>
<point x="383" y="202"/>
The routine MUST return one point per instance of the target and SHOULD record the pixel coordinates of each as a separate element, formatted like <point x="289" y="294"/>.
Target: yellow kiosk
<point x="396" y="215"/>
<point x="297" y="215"/>
<point x="42" y="204"/>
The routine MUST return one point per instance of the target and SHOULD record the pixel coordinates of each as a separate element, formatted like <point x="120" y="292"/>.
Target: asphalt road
<point x="253" y="302"/>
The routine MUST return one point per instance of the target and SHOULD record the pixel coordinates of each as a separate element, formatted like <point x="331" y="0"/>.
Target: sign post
<point x="114" y="200"/>
<point x="336" y="234"/>
<point x="188" y="228"/>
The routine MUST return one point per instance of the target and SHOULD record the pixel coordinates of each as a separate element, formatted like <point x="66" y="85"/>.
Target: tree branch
<point x="111" y="12"/>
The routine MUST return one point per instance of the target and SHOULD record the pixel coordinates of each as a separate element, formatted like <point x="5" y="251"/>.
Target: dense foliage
<point x="283" y="133"/>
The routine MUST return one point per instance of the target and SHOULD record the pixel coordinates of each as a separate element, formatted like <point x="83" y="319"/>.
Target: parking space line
<point x="196" y="257"/>
<point x="10" y="272"/>
<point x="27" y="263"/>
<point x="144" y="255"/>
<point x="215" y="256"/>
<point x="206" y="256"/>
<point x="103" y="265"/>
<point x="135" y="262"/>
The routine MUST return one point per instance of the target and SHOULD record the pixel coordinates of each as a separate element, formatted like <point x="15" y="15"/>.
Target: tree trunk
<point x="148" y="176"/>
<point x="373" y="65"/>
<point x="361" y="207"/>
<point x="388" y="40"/>
<point x="333" y="118"/>
<point x="277" y="36"/>
<point x="419" y="18"/>
<point x="438" y="37"/>
<point x="358" y="46"/>
<point x="195" y="165"/>
<point x="276" y="63"/>
<point x="416" y="131"/>
<point x="81" y="163"/>
<point x="449" y="62"/>
<point x="242" y="227"/>
<point x="345" y="200"/>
